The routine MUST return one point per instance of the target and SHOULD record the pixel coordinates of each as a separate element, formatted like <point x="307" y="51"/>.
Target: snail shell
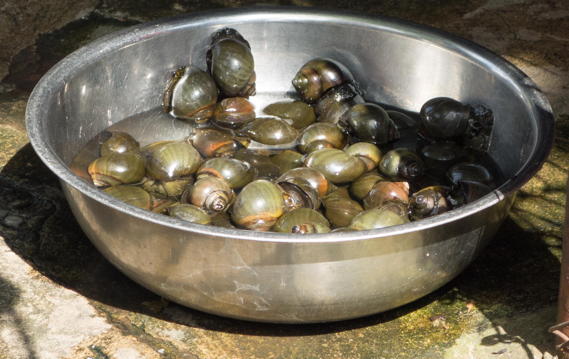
<point x="302" y="221"/>
<point x="270" y="131"/>
<point x="212" y="194"/>
<point x="367" y="152"/>
<point x="231" y="63"/>
<point x="384" y="191"/>
<point x="401" y="120"/>
<point x="132" y="195"/>
<point x="336" y="165"/>
<point x="443" y="117"/>
<point x="333" y="106"/>
<point x="173" y="188"/>
<point x="119" y="142"/>
<point x="191" y="95"/>
<point x="401" y="163"/>
<point x="469" y="172"/>
<point x="428" y="202"/>
<point x="315" y="77"/>
<point x="168" y="160"/>
<point x="189" y="213"/>
<point x="263" y="164"/>
<point x="298" y="193"/>
<point x="298" y="113"/>
<point x="371" y="123"/>
<point x="313" y="177"/>
<point x="214" y="143"/>
<point x="390" y="214"/>
<point x="340" y="209"/>
<point x="287" y="160"/>
<point x="234" y="112"/>
<point x="363" y="184"/>
<point x="117" y="168"/>
<point x="258" y="206"/>
<point x="237" y="173"/>
<point x="327" y="135"/>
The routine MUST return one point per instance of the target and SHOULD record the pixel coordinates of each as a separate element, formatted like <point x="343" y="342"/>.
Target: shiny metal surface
<point x="272" y="276"/>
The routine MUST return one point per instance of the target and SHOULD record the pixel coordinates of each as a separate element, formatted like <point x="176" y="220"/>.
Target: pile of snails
<point x="329" y="161"/>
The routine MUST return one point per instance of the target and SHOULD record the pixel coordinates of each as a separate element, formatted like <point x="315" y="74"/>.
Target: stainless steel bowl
<point x="270" y="276"/>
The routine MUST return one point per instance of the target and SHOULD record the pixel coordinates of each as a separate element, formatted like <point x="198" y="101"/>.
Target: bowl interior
<point x="395" y="63"/>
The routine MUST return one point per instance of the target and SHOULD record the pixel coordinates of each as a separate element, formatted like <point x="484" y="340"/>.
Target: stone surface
<point x="22" y="21"/>
<point x="500" y="307"/>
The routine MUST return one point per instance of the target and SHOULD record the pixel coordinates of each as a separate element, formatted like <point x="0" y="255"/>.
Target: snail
<point x="315" y="77"/>
<point x="233" y="112"/>
<point x="298" y="113"/>
<point x="258" y="206"/>
<point x="167" y="160"/>
<point x="231" y="63"/>
<point x="117" y="168"/>
<point x="191" y="95"/>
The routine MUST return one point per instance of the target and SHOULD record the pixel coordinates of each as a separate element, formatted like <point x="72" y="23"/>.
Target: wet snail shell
<point x="439" y="156"/>
<point x="401" y="163"/>
<point x="263" y="164"/>
<point x="336" y="165"/>
<point x="234" y="112"/>
<point x="287" y="159"/>
<point x="466" y="192"/>
<point x="367" y="152"/>
<point x="326" y="134"/>
<point x="190" y="213"/>
<point x="298" y="113"/>
<point x="258" y="206"/>
<point x="298" y="193"/>
<point x="117" y="168"/>
<point x="237" y="173"/>
<point x="132" y="195"/>
<point x="340" y="209"/>
<point x="317" y="145"/>
<point x="212" y="194"/>
<point x="469" y="172"/>
<point x="384" y="191"/>
<point x="401" y="120"/>
<point x="370" y="123"/>
<point x="315" y="77"/>
<point x="222" y="219"/>
<point x="231" y="63"/>
<point x="333" y="106"/>
<point x="390" y="214"/>
<point x="270" y="131"/>
<point x="363" y="184"/>
<point x="443" y="117"/>
<point x="168" y="160"/>
<point x="302" y="221"/>
<point x="171" y="188"/>
<point x="214" y="143"/>
<point x="119" y="142"/>
<point x="314" y="178"/>
<point x="191" y="95"/>
<point x="428" y="202"/>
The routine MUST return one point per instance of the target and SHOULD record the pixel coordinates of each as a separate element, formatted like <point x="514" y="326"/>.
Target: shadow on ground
<point x="516" y="275"/>
<point x="12" y="322"/>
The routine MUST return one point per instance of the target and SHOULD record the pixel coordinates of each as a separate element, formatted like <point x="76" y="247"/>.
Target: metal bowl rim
<point x="112" y="42"/>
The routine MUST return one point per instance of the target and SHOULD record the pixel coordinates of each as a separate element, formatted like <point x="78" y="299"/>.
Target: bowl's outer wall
<point x="285" y="282"/>
<point x="255" y="277"/>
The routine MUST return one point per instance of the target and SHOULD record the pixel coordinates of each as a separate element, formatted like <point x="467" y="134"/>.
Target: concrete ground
<point x="59" y="298"/>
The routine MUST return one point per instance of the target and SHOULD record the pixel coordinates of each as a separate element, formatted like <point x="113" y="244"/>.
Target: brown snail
<point x="315" y="77"/>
